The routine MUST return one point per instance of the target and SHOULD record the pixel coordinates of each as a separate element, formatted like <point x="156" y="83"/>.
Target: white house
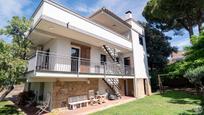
<point x="74" y="54"/>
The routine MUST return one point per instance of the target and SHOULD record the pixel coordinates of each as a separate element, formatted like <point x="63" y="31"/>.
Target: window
<point x="141" y="40"/>
<point x="118" y="59"/>
<point x="103" y="59"/>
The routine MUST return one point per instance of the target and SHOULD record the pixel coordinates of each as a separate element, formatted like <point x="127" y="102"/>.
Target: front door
<point x="74" y="59"/>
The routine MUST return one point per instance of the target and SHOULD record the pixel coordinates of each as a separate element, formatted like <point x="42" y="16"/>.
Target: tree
<point x="13" y="55"/>
<point x="11" y="69"/>
<point x="17" y="28"/>
<point x="158" y="47"/>
<point x="175" y="14"/>
<point x="196" y="76"/>
<point x="192" y="67"/>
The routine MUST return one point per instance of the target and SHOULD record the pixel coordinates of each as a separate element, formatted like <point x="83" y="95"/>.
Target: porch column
<point x="148" y="89"/>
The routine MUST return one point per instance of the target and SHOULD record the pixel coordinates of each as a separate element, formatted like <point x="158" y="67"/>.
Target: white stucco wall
<point x="139" y="51"/>
<point x="60" y="52"/>
<point x="96" y="58"/>
<point x="60" y="55"/>
<point x="63" y="53"/>
<point x="139" y="57"/>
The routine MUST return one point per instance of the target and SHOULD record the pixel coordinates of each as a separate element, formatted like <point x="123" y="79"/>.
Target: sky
<point x="9" y="8"/>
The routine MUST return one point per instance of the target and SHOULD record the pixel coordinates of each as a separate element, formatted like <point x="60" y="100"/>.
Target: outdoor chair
<point x="101" y="96"/>
<point x="44" y="106"/>
<point x="92" y="97"/>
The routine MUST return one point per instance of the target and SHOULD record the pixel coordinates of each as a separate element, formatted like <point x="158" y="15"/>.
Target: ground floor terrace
<point x="180" y="102"/>
<point x="93" y="108"/>
<point x="62" y="89"/>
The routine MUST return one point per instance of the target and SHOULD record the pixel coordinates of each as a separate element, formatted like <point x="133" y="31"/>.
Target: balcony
<point x="52" y="63"/>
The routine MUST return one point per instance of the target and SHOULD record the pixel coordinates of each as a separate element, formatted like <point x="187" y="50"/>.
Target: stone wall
<point x="62" y="90"/>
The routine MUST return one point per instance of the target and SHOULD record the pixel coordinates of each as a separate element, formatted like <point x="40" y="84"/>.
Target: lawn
<point x="8" y="108"/>
<point x="170" y="103"/>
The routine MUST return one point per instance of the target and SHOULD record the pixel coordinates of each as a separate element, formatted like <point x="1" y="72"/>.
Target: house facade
<point x="74" y="54"/>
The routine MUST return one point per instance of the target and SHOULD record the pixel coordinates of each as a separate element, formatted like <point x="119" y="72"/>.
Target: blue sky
<point x="9" y="8"/>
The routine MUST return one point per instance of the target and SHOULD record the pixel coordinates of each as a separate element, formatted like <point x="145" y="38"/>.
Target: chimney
<point x="128" y="15"/>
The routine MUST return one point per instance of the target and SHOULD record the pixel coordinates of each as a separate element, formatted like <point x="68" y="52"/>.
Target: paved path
<point x="92" y="108"/>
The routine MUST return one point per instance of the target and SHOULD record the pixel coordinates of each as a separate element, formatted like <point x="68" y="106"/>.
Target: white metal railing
<point x="43" y="61"/>
<point x="31" y="63"/>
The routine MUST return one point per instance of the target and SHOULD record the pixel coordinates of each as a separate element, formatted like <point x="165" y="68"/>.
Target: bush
<point x="196" y="75"/>
<point x="154" y="81"/>
<point x="25" y="97"/>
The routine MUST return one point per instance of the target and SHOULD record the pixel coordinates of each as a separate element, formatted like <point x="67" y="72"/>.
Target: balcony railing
<point x="43" y="61"/>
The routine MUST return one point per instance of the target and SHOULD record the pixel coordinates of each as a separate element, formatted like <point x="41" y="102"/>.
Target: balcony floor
<point x="48" y="75"/>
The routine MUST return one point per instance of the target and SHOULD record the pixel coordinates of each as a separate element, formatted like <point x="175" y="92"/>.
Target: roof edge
<point x="103" y="9"/>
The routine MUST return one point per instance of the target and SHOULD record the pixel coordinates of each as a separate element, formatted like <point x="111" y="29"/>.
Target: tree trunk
<point x="190" y="31"/>
<point x="199" y="20"/>
<point x="10" y="88"/>
<point x="199" y="27"/>
<point x="1" y="89"/>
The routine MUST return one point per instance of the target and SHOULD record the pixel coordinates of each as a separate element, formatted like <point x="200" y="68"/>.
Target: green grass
<point x="170" y="103"/>
<point x="8" y="108"/>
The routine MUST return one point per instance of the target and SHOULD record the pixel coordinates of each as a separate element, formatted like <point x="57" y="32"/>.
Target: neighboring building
<point x="75" y="54"/>
<point x="178" y="56"/>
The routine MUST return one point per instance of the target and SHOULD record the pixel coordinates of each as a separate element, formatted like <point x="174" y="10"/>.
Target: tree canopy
<point x="12" y="67"/>
<point x="17" y="28"/>
<point x="175" y="14"/>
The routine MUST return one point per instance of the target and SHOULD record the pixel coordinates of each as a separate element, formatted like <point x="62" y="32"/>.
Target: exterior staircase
<point x="113" y="83"/>
<point x="113" y="68"/>
<point x="111" y="52"/>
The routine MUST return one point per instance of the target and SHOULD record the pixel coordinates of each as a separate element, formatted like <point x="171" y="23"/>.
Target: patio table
<point x="101" y="98"/>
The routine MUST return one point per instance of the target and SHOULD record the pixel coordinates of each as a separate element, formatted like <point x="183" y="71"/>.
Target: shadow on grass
<point x="9" y="110"/>
<point x="196" y="111"/>
<point x="179" y="97"/>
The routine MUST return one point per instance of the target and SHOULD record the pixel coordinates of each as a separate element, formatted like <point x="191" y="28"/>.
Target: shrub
<point x="196" y="75"/>
<point x="25" y="97"/>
